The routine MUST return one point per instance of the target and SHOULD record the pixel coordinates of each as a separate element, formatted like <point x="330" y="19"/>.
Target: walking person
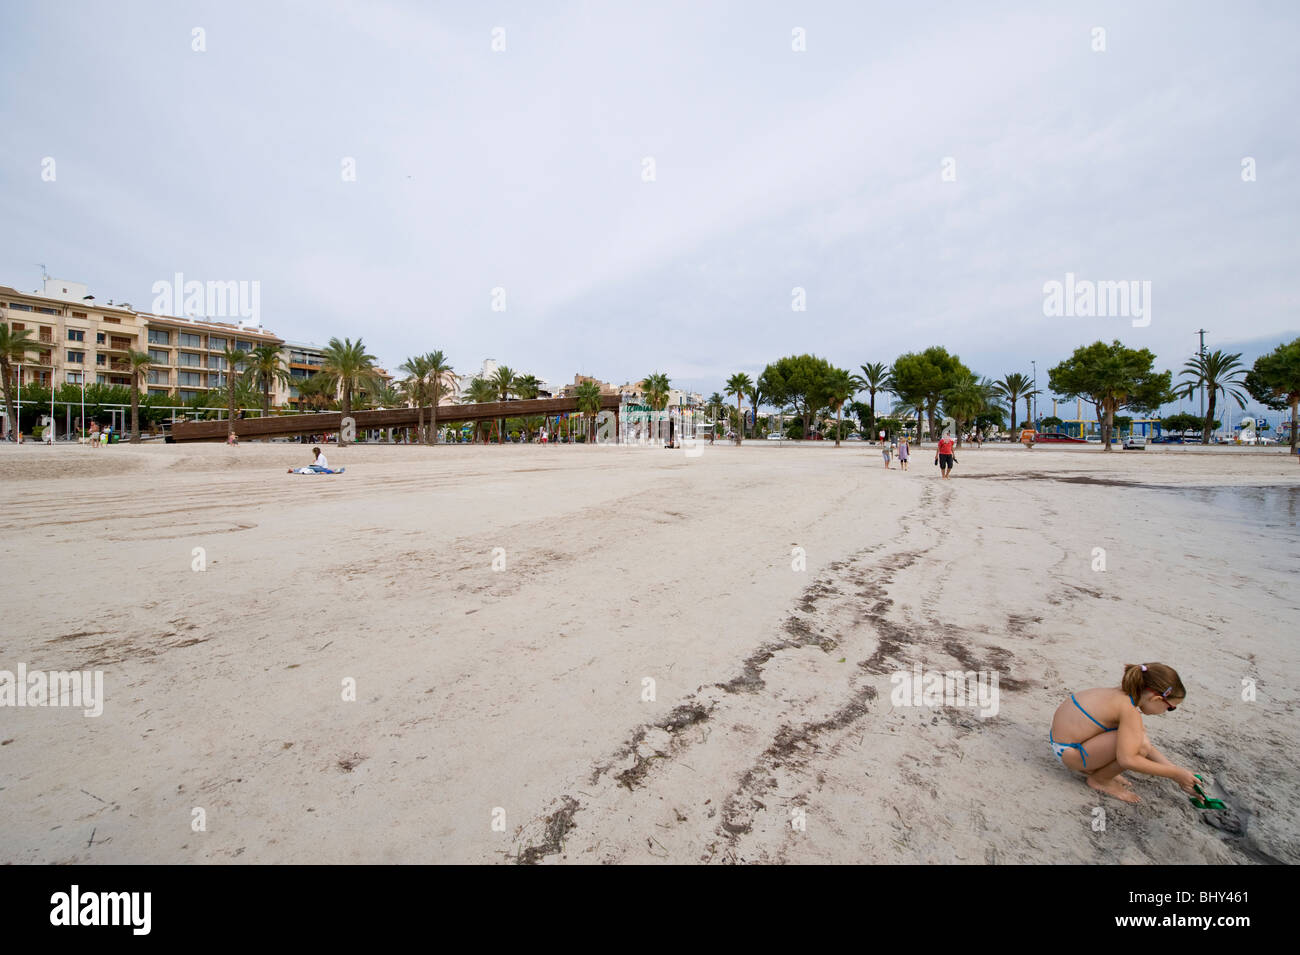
<point x="903" y="451"/>
<point x="885" y="450"/>
<point x="944" y="457"/>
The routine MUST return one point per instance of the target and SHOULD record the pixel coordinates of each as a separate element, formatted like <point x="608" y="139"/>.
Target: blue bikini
<point x="1060" y="748"/>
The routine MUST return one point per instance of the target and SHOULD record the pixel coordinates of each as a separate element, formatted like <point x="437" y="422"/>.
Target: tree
<point x="798" y="380"/>
<point x="966" y="400"/>
<point x="139" y="363"/>
<point x="504" y="382"/>
<point x="875" y="377"/>
<point x="1113" y="378"/>
<point x="1052" y="422"/>
<point x="14" y="347"/>
<point x="656" y="390"/>
<point x="316" y="392"/>
<point x="480" y="391"/>
<point x="840" y="387"/>
<point x="1012" y="387"/>
<point x="417" y="380"/>
<point x="351" y="368"/>
<point x="266" y="370"/>
<point x="588" y="397"/>
<point x="738" y="384"/>
<point x="925" y="376"/>
<point x="441" y="375"/>
<point x="234" y="358"/>
<point x="1217" y="372"/>
<point x="1274" y="381"/>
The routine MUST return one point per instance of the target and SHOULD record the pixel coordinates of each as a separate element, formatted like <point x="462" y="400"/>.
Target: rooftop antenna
<point x="44" y="274"/>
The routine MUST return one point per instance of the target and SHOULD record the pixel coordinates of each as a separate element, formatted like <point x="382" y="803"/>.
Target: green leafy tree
<point x="1113" y="378"/>
<point x="235" y="359"/>
<point x="265" y="370"/>
<point x="840" y="387"/>
<point x="480" y="391"/>
<point x="925" y="376"/>
<point x="655" y="392"/>
<point x="1012" y="387"/>
<point x="139" y="362"/>
<point x="1274" y="381"/>
<point x="875" y="377"/>
<point x="351" y="367"/>
<point x="441" y="378"/>
<point x="588" y="399"/>
<point x="504" y="382"/>
<point x="799" y="380"/>
<point x="1216" y="372"/>
<point x="738" y="385"/>
<point x="416" y="369"/>
<point x="966" y="400"/>
<point x="14" y="348"/>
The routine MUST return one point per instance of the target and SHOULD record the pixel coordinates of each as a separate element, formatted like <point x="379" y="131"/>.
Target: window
<point x="19" y="326"/>
<point x="216" y="381"/>
<point x="191" y="341"/>
<point x="157" y="377"/>
<point x="76" y="335"/>
<point x="74" y="377"/>
<point x="20" y="308"/>
<point x="101" y="359"/>
<point x="43" y="358"/>
<point x="158" y="336"/>
<point x="187" y="395"/>
<point x="216" y="344"/>
<point x="216" y="362"/>
<point x="113" y="321"/>
<point x="160" y="357"/>
<point x="100" y="380"/>
<point x="244" y="346"/>
<point x="48" y="311"/>
<point x="99" y="338"/>
<point x="76" y="357"/>
<point x="81" y="315"/>
<point x="190" y="360"/>
<point x="188" y="378"/>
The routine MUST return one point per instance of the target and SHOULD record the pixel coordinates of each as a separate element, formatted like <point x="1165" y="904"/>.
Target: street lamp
<point x="1035" y="390"/>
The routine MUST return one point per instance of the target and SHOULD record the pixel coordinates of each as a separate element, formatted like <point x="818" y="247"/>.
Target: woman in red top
<point x="944" y="457"/>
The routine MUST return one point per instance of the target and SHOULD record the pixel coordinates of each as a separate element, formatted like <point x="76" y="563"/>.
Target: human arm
<point x="1133" y="751"/>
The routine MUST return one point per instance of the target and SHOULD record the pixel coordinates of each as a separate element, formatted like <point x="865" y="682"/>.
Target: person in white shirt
<point x="320" y="464"/>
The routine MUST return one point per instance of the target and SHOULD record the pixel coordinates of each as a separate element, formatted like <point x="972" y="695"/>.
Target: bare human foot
<point x="1117" y="788"/>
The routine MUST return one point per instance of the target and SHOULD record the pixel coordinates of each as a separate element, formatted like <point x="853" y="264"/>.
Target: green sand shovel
<point x="1201" y="801"/>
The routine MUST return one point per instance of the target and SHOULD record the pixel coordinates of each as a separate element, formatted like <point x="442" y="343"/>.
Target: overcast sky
<point x="773" y="168"/>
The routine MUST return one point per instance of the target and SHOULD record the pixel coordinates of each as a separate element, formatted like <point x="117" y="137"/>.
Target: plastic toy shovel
<point x="1202" y="801"/>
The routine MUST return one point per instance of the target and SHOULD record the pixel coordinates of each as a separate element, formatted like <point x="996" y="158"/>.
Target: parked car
<point x="1093" y="439"/>
<point x="1135" y="442"/>
<point x="1057" y="437"/>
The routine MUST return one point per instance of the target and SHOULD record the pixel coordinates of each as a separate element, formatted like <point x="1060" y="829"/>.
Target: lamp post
<point x="1035" y="388"/>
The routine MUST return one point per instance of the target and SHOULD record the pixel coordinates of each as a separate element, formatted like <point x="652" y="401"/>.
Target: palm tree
<point x="316" y="392"/>
<point x="840" y="387"/>
<point x="350" y="367"/>
<point x="504" y="382"/>
<point x="234" y="358"/>
<point x="966" y="401"/>
<point x="1012" y="387"/>
<point x="588" y="396"/>
<point x="526" y="387"/>
<point x="875" y="377"/>
<point x="1216" y="371"/>
<point x="139" y="362"/>
<point x="14" y="346"/>
<point x="738" y="384"/>
<point x="266" y="370"/>
<point x="440" y="376"/>
<point x="655" y="390"/>
<point x="480" y="391"/>
<point x="417" y="379"/>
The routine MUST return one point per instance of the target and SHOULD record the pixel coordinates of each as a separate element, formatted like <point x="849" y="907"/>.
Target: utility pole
<point x="1034" y="413"/>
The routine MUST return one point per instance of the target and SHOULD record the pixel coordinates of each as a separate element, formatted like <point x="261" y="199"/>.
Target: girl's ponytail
<point x="1159" y="679"/>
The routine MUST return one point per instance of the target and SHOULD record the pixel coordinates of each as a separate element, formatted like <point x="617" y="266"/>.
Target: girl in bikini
<point x="1099" y="732"/>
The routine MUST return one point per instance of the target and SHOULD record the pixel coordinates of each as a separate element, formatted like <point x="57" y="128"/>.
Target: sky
<point x="615" y="188"/>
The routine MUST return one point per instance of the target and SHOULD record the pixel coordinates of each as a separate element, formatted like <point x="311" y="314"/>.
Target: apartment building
<point x="188" y="356"/>
<point x="78" y="338"/>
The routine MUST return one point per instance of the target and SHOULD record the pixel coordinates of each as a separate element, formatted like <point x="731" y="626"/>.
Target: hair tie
<point x="1166" y="692"/>
<point x="1144" y="668"/>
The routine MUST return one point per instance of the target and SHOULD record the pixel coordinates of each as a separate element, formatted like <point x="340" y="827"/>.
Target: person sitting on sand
<point x="320" y="464"/>
<point x="1089" y="717"/>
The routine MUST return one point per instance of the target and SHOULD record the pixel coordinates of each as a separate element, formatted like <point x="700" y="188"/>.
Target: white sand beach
<point x="517" y="695"/>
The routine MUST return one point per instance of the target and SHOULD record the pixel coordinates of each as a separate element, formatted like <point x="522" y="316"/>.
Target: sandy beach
<point x="604" y="655"/>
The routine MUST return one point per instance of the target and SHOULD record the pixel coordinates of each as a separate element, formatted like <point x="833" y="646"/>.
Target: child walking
<point x="1082" y="726"/>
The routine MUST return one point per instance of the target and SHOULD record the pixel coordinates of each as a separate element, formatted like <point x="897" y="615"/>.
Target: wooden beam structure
<point x="329" y="422"/>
